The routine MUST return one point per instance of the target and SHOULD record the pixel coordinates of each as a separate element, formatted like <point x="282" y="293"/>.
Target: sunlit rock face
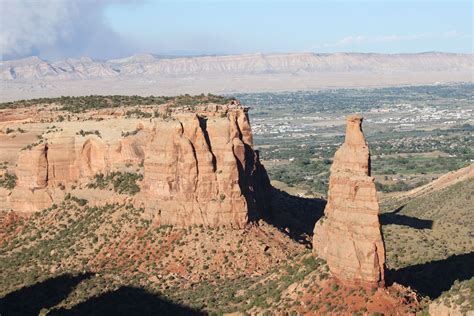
<point x="202" y="169"/>
<point x="32" y="169"/>
<point x="30" y="194"/>
<point x="198" y="165"/>
<point x="67" y="158"/>
<point x="349" y="235"/>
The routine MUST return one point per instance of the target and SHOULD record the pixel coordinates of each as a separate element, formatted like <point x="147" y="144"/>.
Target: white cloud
<point x="56" y="29"/>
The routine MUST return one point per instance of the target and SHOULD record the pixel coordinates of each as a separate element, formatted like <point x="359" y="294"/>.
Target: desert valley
<point x="147" y="74"/>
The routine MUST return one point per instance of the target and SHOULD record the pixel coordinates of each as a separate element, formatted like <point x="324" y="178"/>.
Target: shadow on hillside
<point x="399" y="219"/>
<point x="127" y="301"/>
<point x="295" y="216"/>
<point x="30" y="300"/>
<point x="433" y="278"/>
<point x="124" y="301"/>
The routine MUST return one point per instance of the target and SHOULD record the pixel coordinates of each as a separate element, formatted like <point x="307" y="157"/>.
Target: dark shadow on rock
<point x="294" y="215"/>
<point x="435" y="277"/>
<point x="399" y="219"/>
<point x="30" y="300"/>
<point x="127" y="301"/>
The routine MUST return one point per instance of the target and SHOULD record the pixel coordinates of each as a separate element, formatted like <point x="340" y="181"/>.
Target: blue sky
<point x="55" y="29"/>
<point x="215" y="27"/>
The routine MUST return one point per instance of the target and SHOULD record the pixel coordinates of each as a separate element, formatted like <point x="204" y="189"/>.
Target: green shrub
<point x="8" y="181"/>
<point x="121" y="182"/>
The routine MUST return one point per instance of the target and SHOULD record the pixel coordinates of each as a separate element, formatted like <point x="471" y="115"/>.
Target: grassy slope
<point x="429" y="242"/>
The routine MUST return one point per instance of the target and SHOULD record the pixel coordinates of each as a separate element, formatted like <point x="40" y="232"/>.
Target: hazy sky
<point x="114" y="28"/>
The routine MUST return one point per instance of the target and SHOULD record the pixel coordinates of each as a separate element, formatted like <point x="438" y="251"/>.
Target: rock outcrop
<point x="30" y="194"/>
<point x="72" y="158"/>
<point x="27" y="201"/>
<point x="349" y="236"/>
<point x="32" y="170"/>
<point x="198" y="164"/>
<point x="65" y="159"/>
<point x="203" y="170"/>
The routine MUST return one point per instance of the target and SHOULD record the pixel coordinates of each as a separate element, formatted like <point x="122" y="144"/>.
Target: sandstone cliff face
<point x="64" y="159"/>
<point x="203" y="170"/>
<point x="26" y="201"/>
<point x="72" y="158"/>
<point x="129" y="150"/>
<point x="199" y="165"/>
<point x="348" y="236"/>
<point x="30" y="193"/>
<point x="32" y="170"/>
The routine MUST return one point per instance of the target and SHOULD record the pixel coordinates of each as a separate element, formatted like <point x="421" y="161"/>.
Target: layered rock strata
<point x="349" y="235"/>
<point x="30" y="193"/>
<point x="203" y="170"/>
<point x="198" y="164"/>
<point x="67" y="158"/>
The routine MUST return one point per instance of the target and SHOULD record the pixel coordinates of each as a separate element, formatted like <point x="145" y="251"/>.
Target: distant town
<point x="298" y="131"/>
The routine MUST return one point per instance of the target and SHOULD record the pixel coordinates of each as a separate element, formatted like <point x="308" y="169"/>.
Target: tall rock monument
<point x="201" y="169"/>
<point x="348" y="237"/>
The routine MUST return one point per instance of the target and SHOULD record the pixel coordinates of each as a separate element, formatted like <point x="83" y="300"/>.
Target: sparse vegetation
<point x="8" y="181"/>
<point x="11" y="130"/>
<point x="96" y="102"/>
<point x="85" y="133"/>
<point x="123" y="183"/>
<point x="430" y="227"/>
<point x="460" y="295"/>
<point x="130" y="133"/>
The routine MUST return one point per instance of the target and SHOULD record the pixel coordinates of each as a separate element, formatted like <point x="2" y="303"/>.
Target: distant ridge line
<point x="34" y="68"/>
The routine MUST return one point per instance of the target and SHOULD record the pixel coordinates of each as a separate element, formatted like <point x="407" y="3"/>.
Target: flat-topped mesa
<point x="202" y="169"/>
<point x="199" y="165"/>
<point x="349" y="236"/>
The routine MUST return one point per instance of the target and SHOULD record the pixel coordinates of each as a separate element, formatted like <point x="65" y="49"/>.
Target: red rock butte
<point x="199" y="165"/>
<point x="202" y="169"/>
<point x="348" y="237"/>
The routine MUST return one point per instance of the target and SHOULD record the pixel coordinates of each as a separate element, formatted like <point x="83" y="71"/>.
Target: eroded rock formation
<point x="32" y="170"/>
<point x="203" y="170"/>
<point x="67" y="158"/>
<point x="30" y="193"/>
<point x="349" y="236"/>
<point x="198" y="164"/>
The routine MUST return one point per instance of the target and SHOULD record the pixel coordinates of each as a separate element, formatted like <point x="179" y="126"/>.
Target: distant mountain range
<point x="303" y="63"/>
<point x="146" y="74"/>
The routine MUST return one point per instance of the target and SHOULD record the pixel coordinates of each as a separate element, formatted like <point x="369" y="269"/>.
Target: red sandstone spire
<point x="348" y="236"/>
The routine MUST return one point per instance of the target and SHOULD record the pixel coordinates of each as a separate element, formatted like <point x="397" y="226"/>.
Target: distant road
<point x="148" y="74"/>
